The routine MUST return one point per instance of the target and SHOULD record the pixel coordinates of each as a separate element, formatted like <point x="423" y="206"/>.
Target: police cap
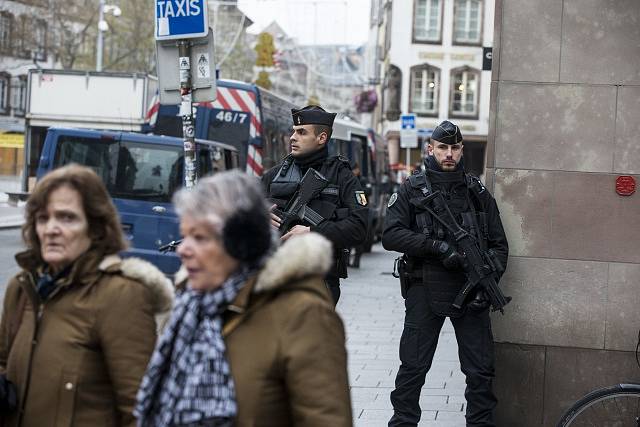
<point x="447" y="133"/>
<point x="312" y="115"/>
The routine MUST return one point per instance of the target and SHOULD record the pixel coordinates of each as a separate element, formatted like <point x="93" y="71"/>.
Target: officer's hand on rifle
<point x="275" y="219"/>
<point x="451" y="259"/>
<point x="298" y="229"/>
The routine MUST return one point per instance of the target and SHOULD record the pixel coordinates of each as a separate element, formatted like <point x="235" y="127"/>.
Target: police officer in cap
<point x="436" y="274"/>
<point x="342" y="204"/>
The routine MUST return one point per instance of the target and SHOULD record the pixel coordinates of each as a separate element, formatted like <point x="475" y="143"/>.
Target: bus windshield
<point x="230" y="127"/>
<point x="226" y="126"/>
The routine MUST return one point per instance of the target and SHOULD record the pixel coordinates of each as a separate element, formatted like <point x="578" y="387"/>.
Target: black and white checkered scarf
<point x="188" y="380"/>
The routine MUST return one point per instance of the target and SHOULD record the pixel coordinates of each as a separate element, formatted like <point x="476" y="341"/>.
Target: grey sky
<point x="313" y="21"/>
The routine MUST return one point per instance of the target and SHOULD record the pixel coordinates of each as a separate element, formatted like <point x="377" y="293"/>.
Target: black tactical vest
<point x="285" y="184"/>
<point x="464" y="202"/>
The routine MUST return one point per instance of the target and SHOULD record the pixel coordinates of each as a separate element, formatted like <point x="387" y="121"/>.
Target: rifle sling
<point x="452" y="230"/>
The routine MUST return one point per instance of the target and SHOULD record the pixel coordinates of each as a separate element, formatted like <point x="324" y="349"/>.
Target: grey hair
<point x="215" y="198"/>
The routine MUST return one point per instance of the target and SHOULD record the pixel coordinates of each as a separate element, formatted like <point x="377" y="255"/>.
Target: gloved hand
<point x="479" y="301"/>
<point x="8" y="396"/>
<point x="451" y="259"/>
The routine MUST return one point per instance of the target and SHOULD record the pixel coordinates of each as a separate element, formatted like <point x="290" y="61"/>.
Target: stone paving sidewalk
<point x="373" y="312"/>
<point x="10" y="216"/>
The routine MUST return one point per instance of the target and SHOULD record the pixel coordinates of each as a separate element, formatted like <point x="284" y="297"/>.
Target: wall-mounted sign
<point x="431" y="55"/>
<point x="487" y="58"/>
<point x="463" y="57"/>
<point x="625" y="185"/>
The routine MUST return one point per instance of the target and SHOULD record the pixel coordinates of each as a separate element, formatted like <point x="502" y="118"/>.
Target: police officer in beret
<point x="435" y="272"/>
<point x="342" y="203"/>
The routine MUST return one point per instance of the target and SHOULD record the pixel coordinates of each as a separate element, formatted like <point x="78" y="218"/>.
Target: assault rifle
<point x="297" y="209"/>
<point x="482" y="268"/>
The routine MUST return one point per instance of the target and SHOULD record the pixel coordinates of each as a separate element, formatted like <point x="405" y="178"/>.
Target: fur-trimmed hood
<point x="145" y="273"/>
<point x="301" y="256"/>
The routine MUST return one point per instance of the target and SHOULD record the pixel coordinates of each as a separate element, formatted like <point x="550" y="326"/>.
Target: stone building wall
<point x="565" y="123"/>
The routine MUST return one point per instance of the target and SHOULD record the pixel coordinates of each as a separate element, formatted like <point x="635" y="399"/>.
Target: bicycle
<point x="613" y="406"/>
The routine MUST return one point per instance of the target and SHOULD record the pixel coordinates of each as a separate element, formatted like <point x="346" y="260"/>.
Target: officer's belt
<point x="416" y="272"/>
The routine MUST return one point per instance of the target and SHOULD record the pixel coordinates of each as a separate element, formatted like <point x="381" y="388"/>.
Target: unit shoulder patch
<point x="392" y="199"/>
<point x="361" y="198"/>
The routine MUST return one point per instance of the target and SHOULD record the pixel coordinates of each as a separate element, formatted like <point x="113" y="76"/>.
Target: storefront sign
<point x="463" y="57"/>
<point x="11" y="140"/>
<point x="431" y="55"/>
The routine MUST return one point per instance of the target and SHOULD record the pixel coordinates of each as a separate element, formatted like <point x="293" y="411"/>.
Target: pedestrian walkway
<point x="10" y="216"/>
<point x="373" y="312"/>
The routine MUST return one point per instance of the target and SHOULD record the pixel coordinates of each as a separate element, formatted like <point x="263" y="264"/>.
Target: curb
<point x="11" y="224"/>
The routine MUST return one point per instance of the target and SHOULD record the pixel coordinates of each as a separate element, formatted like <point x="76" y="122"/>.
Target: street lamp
<point x="103" y="26"/>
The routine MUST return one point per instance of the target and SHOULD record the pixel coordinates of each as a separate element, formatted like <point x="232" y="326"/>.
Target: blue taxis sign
<point x="181" y="19"/>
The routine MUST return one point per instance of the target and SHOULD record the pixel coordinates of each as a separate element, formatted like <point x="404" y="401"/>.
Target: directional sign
<point x="181" y="19"/>
<point x="408" y="121"/>
<point x="408" y="134"/>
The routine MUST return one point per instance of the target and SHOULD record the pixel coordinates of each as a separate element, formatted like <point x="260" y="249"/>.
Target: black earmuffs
<point x="247" y="236"/>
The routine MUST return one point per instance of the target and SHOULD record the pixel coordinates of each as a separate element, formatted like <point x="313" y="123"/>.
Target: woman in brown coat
<point x="78" y="324"/>
<point x="253" y="340"/>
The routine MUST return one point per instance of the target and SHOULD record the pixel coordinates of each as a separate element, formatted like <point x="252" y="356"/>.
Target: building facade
<point x="23" y="43"/>
<point x="563" y="141"/>
<point x="431" y="56"/>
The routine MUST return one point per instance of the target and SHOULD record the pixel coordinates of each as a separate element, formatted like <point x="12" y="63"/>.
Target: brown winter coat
<point x="286" y="344"/>
<point x="92" y="339"/>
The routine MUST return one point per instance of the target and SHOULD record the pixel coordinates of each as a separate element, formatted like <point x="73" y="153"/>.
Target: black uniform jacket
<point x="351" y="228"/>
<point x="402" y="234"/>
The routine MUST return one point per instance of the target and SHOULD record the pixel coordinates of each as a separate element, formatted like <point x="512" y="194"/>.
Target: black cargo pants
<point x="333" y="284"/>
<point x="417" y="347"/>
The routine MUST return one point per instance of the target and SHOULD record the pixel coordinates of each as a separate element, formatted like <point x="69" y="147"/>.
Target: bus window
<point x="269" y="150"/>
<point x="339" y="147"/>
<point x="358" y="147"/>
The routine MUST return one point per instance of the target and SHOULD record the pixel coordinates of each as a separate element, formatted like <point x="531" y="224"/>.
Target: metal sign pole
<point x="408" y="161"/>
<point x="186" y="111"/>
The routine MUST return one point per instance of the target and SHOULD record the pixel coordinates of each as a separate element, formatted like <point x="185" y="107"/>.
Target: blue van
<point x="141" y="172"/>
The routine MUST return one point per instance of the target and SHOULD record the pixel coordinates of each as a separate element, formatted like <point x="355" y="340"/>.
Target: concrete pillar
<point x="565" y="123"/>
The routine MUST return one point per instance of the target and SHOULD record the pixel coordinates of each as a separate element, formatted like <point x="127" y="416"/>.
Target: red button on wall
<point x="625" y="185"/>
